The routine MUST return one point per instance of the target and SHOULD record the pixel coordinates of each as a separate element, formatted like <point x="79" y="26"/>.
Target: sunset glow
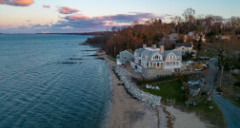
<point x="36" y="16"/>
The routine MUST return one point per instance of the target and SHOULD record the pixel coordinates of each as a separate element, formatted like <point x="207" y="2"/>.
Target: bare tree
<point x="189" y="17"/>
<point x="217" y="24"/>
<point x="225" y="50"/>
<point x="177" y="21"/>
<point x="208" y="23"/>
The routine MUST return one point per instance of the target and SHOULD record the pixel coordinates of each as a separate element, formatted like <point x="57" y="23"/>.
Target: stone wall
<point x="152" y="73"/>
<point x="131" y="87"/>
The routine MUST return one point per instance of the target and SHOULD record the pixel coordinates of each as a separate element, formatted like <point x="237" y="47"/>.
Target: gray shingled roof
<point x="176" y="52"/>
<point x="146" y="53"/>
<point x="139" y="50"/>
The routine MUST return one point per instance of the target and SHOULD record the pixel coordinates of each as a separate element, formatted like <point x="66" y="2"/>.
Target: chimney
<point x="154" y="46"/>
<point x="144" y="46"/>
<point x="162" y="48"/>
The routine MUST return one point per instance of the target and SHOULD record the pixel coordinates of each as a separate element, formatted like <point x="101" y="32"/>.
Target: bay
<point x="37" y="89"/>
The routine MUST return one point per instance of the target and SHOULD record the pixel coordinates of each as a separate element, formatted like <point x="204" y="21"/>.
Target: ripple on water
<point x="36" y="91"/>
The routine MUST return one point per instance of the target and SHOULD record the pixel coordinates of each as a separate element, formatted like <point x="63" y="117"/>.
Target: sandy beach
<point x="127" y="112"/>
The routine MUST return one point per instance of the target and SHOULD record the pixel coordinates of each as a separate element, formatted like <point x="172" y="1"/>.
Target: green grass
<point x="214" y="115"/>
<point x="233" y="100"/>
<point x="112" y="58"/>
<point x="237" y="78"/>
<point x="168" y="90"/>
<point x="172" y="90"/>
<point x="236" y="89"/>
<point x="210" y="53"/>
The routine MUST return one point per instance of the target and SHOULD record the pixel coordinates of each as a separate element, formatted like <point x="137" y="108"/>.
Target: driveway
<point x="230" y="111"/>
<point x="210" y="74"/>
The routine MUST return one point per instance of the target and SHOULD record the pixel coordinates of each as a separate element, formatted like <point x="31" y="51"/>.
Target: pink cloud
<point x="67" y="10"/>
<point x="46" y="6"/>
<point x="81" y="23"/>
<point x="77" y="17"/>
<point x="2" y="2"/>
<point x="101" y="22"/>
<point x="17" y="2"/>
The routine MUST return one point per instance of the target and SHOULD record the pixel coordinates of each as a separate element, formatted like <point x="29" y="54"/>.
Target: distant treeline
<point x="152" y="31"/>
<point x="83" y="33"/>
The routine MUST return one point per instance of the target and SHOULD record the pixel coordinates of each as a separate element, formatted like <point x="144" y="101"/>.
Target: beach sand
<point x="186" y="120"/>
<point x="127" y="112"/>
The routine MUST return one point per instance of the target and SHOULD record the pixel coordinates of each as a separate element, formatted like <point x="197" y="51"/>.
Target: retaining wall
<point x="132" y="88"/>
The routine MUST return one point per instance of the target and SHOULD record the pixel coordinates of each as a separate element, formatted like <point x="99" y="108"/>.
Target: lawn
<point x="213" y="115"/>
<point x="237" y="78"/>
<point x="210" y="53"/>
<point x="168" y="90"/>
<point x="172" y="90"/>
<point x="112" y="58"/>
<point x="236" y="90"/>
<point x="233" y="100"/>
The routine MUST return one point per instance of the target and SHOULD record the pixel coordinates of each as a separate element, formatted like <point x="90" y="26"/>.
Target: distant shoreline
<point x="81" y="33"/>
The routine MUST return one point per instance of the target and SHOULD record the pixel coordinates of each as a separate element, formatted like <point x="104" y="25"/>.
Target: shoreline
<point x="128" y="112"/>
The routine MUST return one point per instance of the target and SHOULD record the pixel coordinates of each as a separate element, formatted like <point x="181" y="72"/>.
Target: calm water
<point x="38" y="90"/>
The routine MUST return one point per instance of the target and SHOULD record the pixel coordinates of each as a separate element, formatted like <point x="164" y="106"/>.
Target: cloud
<point x="46" y="6"/>
<point x="17" y="2"/>
<point x="2" y="2"/>
<point x="83" y="23"/>
<point x="67" y="10"/>
<point x="123" y="18"/>
<point x="77" y="17"/>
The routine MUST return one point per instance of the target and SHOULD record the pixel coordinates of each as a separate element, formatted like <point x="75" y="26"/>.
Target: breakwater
<point x="125" y="79"/>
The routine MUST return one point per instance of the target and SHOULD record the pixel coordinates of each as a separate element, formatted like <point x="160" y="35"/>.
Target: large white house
<point x="153" y="61"/>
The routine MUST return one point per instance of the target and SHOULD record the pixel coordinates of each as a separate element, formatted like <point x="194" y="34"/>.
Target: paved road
<point x="211" y="74"/>
<point x="230" y="111"/>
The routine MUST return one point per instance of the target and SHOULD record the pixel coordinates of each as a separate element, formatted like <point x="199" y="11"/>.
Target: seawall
<point x="131" y="87"/>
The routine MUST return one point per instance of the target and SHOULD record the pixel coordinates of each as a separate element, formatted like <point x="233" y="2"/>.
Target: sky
<point x="73" y="16"/>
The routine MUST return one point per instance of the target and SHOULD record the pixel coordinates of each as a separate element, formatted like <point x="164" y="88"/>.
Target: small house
<point x="124" y="57"/>
<point x="184" y="47"/>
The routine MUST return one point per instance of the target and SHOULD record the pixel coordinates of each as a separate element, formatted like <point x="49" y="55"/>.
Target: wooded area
<point x="152" y="32"/>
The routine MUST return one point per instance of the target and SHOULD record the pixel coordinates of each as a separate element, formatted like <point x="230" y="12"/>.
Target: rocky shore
<point x="132" y="88"/>
<point x="127" y="112"/>
<point x="133" y="108"/>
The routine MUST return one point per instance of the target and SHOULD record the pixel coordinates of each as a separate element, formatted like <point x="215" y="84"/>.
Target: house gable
<point x="157" y="56"/>
<point x="171" y="56"/>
